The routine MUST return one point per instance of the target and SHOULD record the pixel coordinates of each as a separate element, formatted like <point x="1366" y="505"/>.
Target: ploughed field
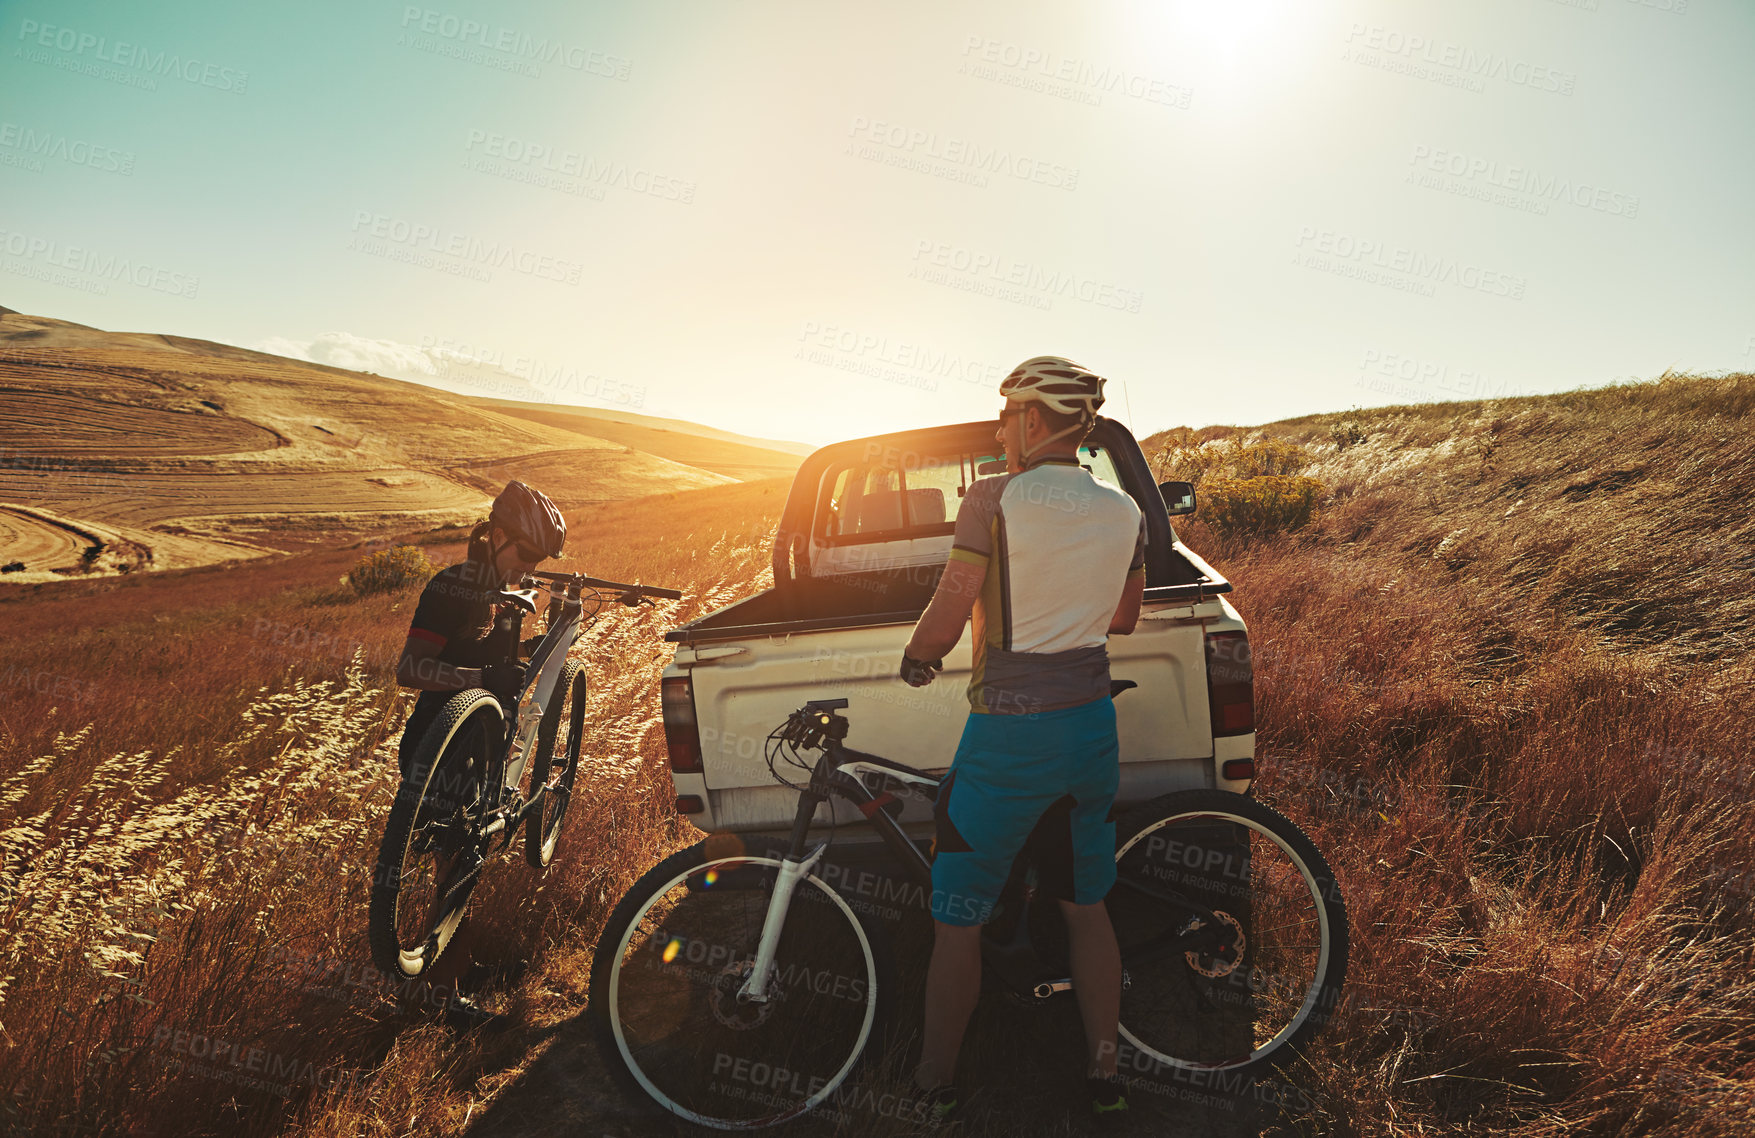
<point x="166" y="453"/>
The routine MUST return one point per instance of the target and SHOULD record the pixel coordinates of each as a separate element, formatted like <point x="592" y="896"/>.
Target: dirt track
<point x="563" y="1087"/>
<point x="38" y="543"/>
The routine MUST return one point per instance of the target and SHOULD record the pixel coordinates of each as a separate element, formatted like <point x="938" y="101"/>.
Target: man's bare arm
<point x="1127" y="613"/>
<point x="941" y="625"/>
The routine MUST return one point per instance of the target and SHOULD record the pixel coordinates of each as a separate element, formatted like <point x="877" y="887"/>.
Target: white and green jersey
<point x="1059" y="546"/>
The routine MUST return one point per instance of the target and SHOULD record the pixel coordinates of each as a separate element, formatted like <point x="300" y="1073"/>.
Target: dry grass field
<point x="1501" y="677"/>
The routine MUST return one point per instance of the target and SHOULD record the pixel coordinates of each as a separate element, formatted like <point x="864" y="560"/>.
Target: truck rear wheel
<point x="1233" y="936"/>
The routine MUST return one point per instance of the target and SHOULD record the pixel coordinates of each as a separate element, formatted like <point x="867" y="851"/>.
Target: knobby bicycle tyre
<point x="542" y="827"/>
<point x="1277" y="960"/>
<point x="662" y="1000"/>
<point x="430" y="821"/>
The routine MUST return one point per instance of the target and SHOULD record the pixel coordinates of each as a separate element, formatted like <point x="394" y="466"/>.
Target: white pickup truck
<point x="862" y="541"/>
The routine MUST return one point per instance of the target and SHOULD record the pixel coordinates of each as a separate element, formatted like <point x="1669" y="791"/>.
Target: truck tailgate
<point x="740" y="697"/>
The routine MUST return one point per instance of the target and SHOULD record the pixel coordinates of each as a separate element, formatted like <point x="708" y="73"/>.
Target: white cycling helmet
<point x="1059" y="385"/>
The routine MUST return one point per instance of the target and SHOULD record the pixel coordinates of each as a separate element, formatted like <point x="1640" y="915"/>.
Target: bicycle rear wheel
<point x="556" y="765"/>
<point x="427" y="864"/>
<point x="664" y="984"/>
<point x="1233" y="935"/>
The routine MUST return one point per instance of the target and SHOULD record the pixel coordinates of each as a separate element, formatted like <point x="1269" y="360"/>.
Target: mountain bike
<point x="738" y="988"/>
<point x="480" y="774"/>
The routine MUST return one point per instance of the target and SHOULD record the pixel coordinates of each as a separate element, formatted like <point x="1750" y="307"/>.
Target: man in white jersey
<point x="1051" y="561"/>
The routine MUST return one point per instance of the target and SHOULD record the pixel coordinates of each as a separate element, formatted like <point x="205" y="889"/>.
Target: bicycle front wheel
<point x="1233" y="934"/>
<point x="427" y="865"/>
<point x="665" y="1003"/>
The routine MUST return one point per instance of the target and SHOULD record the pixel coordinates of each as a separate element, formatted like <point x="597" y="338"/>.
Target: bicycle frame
<point x="547" y="663"/>
<point x="544" y="675"/>
<point x="1015" y="959"/>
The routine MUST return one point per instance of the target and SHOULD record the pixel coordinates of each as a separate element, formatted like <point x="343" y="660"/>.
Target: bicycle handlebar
<point x="599" y="583"/>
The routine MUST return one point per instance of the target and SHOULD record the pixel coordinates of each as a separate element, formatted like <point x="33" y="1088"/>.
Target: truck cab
<point x="862" y="541"/>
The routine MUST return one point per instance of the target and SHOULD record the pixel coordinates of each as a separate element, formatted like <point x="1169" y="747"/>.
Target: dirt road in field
<point x="1022" y="1066"/>
<point x="1018" y="1088"/>
<point x="36" y="542"/>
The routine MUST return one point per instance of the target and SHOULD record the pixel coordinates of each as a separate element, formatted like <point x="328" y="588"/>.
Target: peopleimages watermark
<point x="26" y="148"/>
<point x="449" y="251"/>
<point x="1397" y="267"/>
<point x="1517" y="187"/>
<point x="949" y="157"/>
<point x="902" y="362"/>
<point x="119" y="61"/>
<point x="1450" y="64"/>
<point x="1381" y="371"/>
<point x="240" y="1064"/>
<point x="46" y="685"/>
<point x="1021" y="282"/>
<point x="64" y="476"/>
<point x="298" y="642"/>
<point x="482" y="366"/>
<point x="773" y="1084"/>
<point x="507" y="49"/>
<point x="86" y="269"/>
<point x="1064" y="77"/>
<point x="569" y="171"/>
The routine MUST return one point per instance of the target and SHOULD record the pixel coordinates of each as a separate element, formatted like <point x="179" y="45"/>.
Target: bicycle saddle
<point x="1116" y="687"/>
<point x="523" y="598"/>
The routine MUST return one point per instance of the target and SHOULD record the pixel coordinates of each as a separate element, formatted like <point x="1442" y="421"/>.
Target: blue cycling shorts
<point x="1048" y="778"/>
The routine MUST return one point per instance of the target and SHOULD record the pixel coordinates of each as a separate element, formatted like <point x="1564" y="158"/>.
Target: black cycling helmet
<point x="527" y="513"/>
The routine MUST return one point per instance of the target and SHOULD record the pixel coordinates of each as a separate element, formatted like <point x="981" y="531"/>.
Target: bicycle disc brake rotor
<point x="1219" y="964"/>
<point x="739" y="1015"/>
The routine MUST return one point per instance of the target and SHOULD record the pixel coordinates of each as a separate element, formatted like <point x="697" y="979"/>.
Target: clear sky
<point x="817" y="220"/>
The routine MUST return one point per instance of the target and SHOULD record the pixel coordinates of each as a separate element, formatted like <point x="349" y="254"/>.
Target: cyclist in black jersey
<point x="462" y="637"/>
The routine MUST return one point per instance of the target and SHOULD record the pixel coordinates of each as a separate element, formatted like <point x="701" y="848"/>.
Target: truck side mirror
<point x="1178" y="497"/>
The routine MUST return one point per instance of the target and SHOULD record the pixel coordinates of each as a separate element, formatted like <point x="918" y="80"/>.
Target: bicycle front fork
<point x="755" y="988"/>
<point x="793" y="868"/>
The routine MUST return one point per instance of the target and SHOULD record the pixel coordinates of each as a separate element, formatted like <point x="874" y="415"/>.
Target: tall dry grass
<point x="1503" y="682"/>
<point x="183" y="948"/>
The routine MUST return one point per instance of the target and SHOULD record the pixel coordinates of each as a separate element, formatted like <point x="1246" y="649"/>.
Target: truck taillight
<point x="681" y="735"/>
<point x="1230" y="683"/>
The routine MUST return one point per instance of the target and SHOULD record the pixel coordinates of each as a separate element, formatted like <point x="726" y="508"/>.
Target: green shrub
<point x="390" y="569"/>
<point x="1259" y="506"/>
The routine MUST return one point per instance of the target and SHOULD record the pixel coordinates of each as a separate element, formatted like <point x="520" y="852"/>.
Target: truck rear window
<point x="911" y="495"/>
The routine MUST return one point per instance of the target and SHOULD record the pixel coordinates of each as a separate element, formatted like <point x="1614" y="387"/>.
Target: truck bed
<point x="889" y="596"/>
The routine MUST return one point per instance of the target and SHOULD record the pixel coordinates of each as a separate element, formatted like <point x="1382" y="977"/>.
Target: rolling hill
<point x="131" y="451"/>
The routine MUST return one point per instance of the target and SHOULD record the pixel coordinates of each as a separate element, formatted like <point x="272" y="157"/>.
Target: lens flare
<point x="672" y="949"/>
